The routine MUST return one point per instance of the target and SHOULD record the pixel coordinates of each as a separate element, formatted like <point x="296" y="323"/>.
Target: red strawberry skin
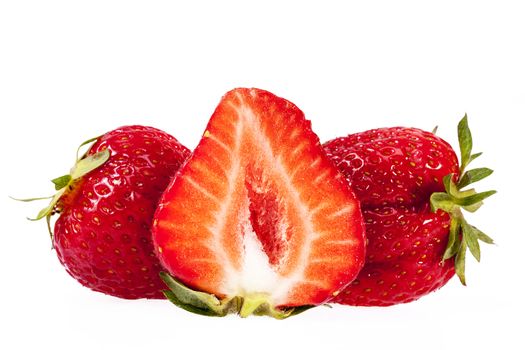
<point x="393" y="172"/>
<point x="103" y="236"/>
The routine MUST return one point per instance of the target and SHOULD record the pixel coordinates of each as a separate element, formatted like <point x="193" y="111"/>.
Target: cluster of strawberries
<point x="262" y="219"/>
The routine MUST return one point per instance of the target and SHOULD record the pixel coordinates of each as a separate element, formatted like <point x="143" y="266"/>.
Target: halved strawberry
<point x="258" y="217"/>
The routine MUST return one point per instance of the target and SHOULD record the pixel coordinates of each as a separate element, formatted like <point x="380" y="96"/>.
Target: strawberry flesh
<point x="259" y="209"/>
<point x="265" y="218"/>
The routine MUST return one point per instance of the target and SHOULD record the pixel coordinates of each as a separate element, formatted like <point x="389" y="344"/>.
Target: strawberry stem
<point x="455" y="199"/>
<point x="257" y="304"/>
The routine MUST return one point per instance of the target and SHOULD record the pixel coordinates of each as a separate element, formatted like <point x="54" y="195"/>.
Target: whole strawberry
<point x="408" y="181"/>
<point x="106" y="206"/>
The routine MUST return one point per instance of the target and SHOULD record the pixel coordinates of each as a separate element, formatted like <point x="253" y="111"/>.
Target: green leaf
<point x="61" y="182"/>
<point x="473" y="199"/>
<point x="447" y="181"/>
<point x="453" y="240"/>
<point x="30" y="199"/>
<point x="482" y="236"/>
<point x="48" y="222"/>
<point x="450" y="186"/>
<point x="300" y="309"/>
<point x="89" y="163"/>
<point x="472" y="240"/>
<point x="474" y="175"/>
<point x="475" y="155"/>
<point x="85" y="143"/>
<point x="473" y="208"/>
<point x="459" y="263"/>
<point x="49" y="208"/>
<point x="187" y="296"/>
<point x="465" y="142"/>
<point x="193" y="309"/>
<point x="466" y="193"/>
<point x="441" y="200"/>
<point x="43" y="212"/>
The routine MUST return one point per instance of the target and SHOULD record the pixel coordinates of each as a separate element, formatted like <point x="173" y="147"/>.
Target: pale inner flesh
<point x="269" y="214"/>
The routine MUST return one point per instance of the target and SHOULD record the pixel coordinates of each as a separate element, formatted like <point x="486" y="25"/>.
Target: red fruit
<point x="103" y="236"/>
<point x="258" y="216"/>
<point x="394" y="172"/>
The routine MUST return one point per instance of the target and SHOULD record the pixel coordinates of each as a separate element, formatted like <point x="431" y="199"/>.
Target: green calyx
<point x="83" y="165"/>
<point x="456" y="198"/>
<point x="209" y="305"/>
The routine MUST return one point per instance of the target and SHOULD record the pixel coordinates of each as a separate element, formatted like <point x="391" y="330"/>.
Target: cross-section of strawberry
<point x="259" y="215"/>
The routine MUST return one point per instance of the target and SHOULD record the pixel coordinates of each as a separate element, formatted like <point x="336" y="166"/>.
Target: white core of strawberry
<point x="258" y="275"/>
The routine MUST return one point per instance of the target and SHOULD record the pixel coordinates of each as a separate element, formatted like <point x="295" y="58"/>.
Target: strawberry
<point x="408" y="181"/>
<point x="106" y="205"/>
<point x="259" y="221"/>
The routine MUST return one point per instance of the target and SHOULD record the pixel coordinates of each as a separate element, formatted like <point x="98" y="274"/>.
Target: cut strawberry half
<point x="258" y="217"/>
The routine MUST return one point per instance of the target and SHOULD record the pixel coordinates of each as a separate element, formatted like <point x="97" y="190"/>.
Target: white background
<point x="70" y="70"/>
